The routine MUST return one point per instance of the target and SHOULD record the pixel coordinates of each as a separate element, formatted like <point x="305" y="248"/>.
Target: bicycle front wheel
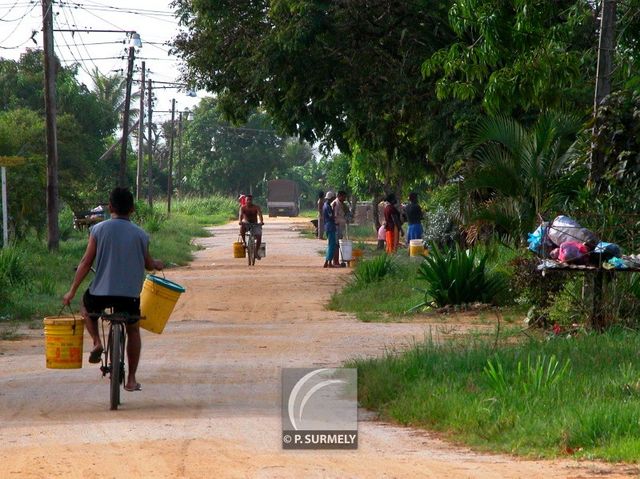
<point x="251" y="250"/>
<point x="116" y="351"/>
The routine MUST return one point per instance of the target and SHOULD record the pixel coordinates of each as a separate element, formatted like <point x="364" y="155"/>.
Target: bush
<point x="440" y="217"/>
<point x="530" y="286"/>
<point x="148" y="218"/>
<point x="373" y="270"/>
<point x="13" y="269"/>
<point x="456" y="276"/>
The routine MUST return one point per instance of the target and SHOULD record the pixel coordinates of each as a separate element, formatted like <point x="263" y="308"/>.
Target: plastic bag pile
<point x="564" y="240"/>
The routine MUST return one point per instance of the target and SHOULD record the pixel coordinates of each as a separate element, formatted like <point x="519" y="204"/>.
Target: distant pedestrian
<point x="329" y="228"/>
<point x="392" y="224"/>
<point x="340" y="211"/>
<point x="320" y="205"/>
<point x="414" y="218"/>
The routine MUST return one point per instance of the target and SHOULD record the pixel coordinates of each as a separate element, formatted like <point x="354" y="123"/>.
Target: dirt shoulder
<point x="210" y="402"/>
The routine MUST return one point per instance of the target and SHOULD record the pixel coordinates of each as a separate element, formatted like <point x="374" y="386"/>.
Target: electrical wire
<point x="3" y="19"/>
<point x="75" y="60"/>
<point x="19" y="22"/>
<point x="82" y="65"/>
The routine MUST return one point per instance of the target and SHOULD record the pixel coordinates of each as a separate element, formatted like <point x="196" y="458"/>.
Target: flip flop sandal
<point x="95" y="355"/>
<point x="137" y="388"/>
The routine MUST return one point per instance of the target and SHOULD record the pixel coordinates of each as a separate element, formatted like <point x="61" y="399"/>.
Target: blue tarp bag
<point x="536" y="238"/>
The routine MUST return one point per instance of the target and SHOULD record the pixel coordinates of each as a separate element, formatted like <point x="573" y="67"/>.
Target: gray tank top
<point x="119" y="263"/>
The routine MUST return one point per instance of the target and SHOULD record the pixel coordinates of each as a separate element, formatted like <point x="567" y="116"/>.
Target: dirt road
<point x="210" y="400"/>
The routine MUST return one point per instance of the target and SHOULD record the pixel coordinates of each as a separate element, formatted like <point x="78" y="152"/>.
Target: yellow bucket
<point x="238" y="249"/>
<point x="157" y="300"/>
<point x="63" y="342"/>
<point x="416" y="247"/>
<point x="356" y="256"/>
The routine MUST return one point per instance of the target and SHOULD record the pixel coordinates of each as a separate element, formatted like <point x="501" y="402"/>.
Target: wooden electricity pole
<point x="150" y="147"/>
<point x="140" y="139"/>
<point x="169" y="176"/>
<point x="53" y="230"/>
<point x="122" y="174"/>
<point x="606" y="47"/>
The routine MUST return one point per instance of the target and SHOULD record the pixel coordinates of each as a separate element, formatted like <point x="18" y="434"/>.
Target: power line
<point x="128" y="9"/>
<point x="83" y="66"/>
<point x="19" y="22"/>
<point x="3" y="19"/>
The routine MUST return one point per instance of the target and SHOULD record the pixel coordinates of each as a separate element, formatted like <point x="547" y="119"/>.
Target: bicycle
<point x="113" y="362"/>
<point x="250" y="243"/>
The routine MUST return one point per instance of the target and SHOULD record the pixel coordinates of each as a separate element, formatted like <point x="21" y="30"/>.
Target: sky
<point x="153" y="20"/>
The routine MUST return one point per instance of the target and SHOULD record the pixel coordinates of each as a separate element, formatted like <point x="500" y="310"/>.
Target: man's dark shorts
<point x="121" y="304"/>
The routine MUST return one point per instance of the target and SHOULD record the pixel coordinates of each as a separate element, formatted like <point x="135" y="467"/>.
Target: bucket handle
<point x="72" y="315"/>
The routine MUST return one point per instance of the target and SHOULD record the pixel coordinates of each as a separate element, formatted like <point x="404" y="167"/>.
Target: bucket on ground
<point x="63" y="342"/>
<point x="416" y="247"/>
<point x="238" y="249"/>
<point x="346" y="249"/>
<point x="157" y="300"/>
<point x="263" y="250"/>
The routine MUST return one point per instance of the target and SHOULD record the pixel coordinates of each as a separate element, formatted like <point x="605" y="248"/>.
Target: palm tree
<point x="519" y="173"/>
<point x="110" y="90"/>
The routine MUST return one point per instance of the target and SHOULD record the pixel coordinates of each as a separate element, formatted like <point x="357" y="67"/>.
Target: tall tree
<point x="341" y="73"/>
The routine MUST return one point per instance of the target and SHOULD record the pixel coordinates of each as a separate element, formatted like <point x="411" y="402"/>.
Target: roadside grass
<point x="362" y="233"/>
<point x="33" y="280"/>
<point x="577" y="396"/>
<point x="214" y="210"/>
<point x="310" y="213"/>
<point x="387" y="299"/>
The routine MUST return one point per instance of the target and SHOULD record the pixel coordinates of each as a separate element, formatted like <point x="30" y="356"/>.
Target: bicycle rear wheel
<point x="116" y="351"/>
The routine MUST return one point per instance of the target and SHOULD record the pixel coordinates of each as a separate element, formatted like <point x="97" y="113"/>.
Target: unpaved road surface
<point x="210" y="402"/>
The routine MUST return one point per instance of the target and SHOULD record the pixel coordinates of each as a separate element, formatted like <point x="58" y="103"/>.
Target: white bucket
<point x="416" y="247"/>
<point x="263" y="250"/>
<point x="346" y="249"/>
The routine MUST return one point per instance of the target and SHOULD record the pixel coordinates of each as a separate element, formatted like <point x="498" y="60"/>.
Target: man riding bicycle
<point x="121" y="253"/>
<point x="248" y="218"/>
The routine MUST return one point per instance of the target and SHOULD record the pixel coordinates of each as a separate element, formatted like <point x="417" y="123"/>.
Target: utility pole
<point x="122" y="174"/>
<point x="606" y="47"/>
<point x="169" y="179"/>
<point x="5" y="213"/>
<point x="179" y="175"/>
<point x="150" y="146"/>
<point x="140" y="138"/>
<point x="53" y="231"/>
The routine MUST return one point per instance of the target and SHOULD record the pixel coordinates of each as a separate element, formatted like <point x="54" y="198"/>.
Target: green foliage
<point x="371" y="270"/>
<point x="520" y="173"/>
<point x="542" y="396"/>
<point x="220" y="157"/>
<point x="149" y="218"/>
<point x="524" y="55"/>
<point x="13" y="266"/>
<point x="456" y="276"/>
<point x="528" y="283"/>
<point x="386" y="299"/>
<point x="529" y="380"/>
<point x="568" y="306"/>
<point x="306" y="64"/>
